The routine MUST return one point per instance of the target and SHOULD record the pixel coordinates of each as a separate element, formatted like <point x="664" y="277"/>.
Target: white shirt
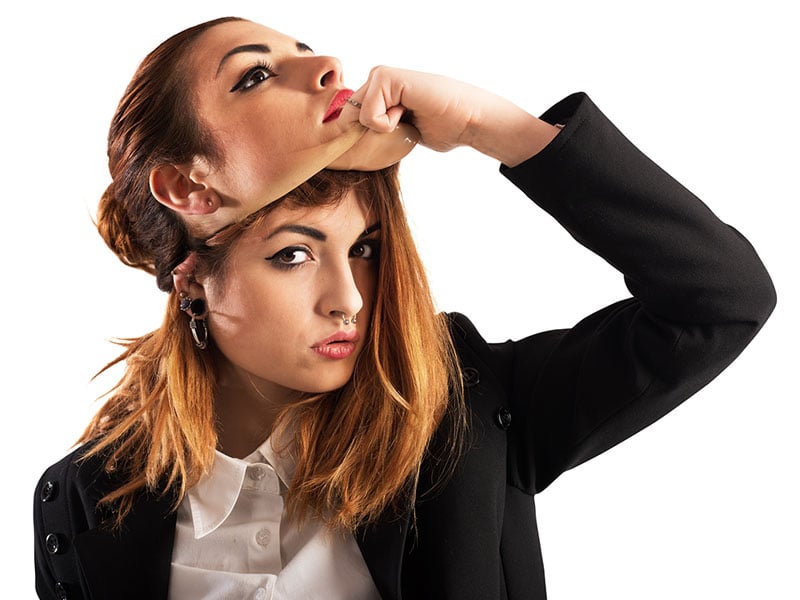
<point x="233" y="540"/>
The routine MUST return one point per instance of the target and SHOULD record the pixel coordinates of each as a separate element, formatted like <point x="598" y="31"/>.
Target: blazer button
<point x="502" y="417"/>
<point x="470" y="376"/>
<point x="52" y="543"/>
<point x="49" y="491"/>
<point x="61" y="592"/>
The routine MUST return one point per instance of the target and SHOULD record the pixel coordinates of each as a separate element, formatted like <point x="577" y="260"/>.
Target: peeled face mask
<point x="374" y="151"/>
<point x="359" y="149"/>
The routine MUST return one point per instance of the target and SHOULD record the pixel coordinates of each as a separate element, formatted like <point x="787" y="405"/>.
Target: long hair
<point x="358" y="449"/>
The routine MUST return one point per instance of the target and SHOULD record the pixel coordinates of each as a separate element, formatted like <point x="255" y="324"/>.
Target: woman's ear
<point x="182" y="188"/>
<point x="183" y="278"/>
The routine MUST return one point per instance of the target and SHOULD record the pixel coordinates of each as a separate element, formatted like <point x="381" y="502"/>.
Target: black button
<point x="61" y="592"/>
<point x="470" y="376"/>
<point x="52" y="543"/>
<point x="49" y="491"/>
<point x="502" y="417"/>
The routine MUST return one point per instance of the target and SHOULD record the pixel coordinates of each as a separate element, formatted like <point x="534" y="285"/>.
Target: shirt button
<point x="263" y="537"/>
<point x="261" y="594"/>
<point x="256" y="473"/>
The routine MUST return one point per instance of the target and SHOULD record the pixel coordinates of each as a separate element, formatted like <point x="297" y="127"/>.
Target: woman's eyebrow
<point x="371" y="229"/>
<point x="316" y="233"/>
<point x="259" y="48"/>
<point x="301" y="229"/>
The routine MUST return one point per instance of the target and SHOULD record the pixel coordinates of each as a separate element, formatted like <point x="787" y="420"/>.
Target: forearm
<point x="700" y="295"/>
<point x="678" y="258"/>
<point x="450" y="113"/>
<point x="507" y="133"/>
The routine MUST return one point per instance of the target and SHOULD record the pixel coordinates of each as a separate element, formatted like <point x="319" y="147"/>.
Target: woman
<point x="303" y="424"/>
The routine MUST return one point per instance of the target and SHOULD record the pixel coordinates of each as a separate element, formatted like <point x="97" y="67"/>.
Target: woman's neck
<point x="246" y="409"/>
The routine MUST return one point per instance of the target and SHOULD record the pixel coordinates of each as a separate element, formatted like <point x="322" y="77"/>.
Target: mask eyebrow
<point x="259" y="48"/>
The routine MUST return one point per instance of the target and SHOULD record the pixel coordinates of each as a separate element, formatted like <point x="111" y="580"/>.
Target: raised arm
<point x="700" y="294"/>
<point x="450" y="113"/>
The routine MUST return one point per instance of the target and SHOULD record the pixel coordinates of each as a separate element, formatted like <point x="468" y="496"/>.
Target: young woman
<point x="304" y="424"/>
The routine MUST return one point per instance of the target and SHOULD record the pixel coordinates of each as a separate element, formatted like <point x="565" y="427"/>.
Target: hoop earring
<point x="195" y="308"/>
<point x="199" y="332"/>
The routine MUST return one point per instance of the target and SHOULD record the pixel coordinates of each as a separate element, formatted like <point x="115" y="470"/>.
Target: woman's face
<point x="277" y="313"/>
<point x="274" y="109"/>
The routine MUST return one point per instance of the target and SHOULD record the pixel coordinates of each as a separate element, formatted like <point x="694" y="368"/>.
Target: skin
<point x="287" y="290"/>
<point x="268" y="120"/>
<point x="264" y="95"/>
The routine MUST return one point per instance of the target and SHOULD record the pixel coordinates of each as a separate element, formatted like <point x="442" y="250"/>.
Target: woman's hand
<point x="449" y="113"/>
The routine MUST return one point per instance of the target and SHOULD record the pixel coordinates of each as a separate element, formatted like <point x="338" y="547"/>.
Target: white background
<point x="702" y="505"/>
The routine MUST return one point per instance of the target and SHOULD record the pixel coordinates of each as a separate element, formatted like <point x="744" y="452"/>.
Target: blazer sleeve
<point x="700" y="294"/>
<point x="65" y="505"/>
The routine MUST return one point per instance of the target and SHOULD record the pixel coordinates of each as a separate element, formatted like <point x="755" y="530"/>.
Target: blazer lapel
<point x="382" y="545"/>
<point x="133" y="562"/>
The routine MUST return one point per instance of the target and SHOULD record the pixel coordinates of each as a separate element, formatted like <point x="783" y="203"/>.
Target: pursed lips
<point x="339" y="337"/>
<point x="335" y="108"/>
<point x="338" y="346"/>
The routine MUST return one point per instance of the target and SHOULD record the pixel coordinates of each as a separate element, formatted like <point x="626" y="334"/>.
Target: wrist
<point x="509" y="134"/>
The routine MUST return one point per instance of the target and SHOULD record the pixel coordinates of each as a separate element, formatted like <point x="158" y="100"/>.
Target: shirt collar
<point x="211" y="501"/>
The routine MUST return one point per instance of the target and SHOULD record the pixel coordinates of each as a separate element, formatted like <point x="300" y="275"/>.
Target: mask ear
<point x="181" y="188"/>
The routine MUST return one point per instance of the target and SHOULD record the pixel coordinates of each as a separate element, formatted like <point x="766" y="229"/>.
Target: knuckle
<point x="380" y="72"/>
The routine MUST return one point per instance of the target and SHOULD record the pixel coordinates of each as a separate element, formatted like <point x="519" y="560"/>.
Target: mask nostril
<point x="326" y="78"/>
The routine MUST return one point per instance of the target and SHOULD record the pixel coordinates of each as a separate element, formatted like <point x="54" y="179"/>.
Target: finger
<point x="376" y="115"/>
<point x="380" y="102"/>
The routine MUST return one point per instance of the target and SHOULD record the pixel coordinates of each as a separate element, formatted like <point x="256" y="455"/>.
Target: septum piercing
<point x="352" y="102"/>
<point x="346" y="321"/>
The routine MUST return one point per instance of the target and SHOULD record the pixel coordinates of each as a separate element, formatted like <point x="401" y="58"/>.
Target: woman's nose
<point x="343" y="296"/>
<point x="325" y="72"/>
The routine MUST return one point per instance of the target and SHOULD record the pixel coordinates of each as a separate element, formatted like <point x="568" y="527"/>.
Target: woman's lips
<point x="340" y="345"/>
<point x="338" y="102"/>
<point x="335" y="351"/>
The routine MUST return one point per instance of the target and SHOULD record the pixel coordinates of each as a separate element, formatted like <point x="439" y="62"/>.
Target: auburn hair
<point x="358" y="449"/>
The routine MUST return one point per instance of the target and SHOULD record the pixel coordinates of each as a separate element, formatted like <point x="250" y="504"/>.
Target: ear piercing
<point x="196" y="309"/>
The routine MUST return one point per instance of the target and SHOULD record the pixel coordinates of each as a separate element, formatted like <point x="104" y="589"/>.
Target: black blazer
<point x="539" y="406"/>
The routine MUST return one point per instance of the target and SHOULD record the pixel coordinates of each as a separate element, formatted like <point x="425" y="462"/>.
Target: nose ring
<point x="347" y="321"/>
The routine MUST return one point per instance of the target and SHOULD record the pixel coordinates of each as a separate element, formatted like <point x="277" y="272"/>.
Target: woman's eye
<point x="290" y="257"/>
<point x="366" y="249"/>
<point x="253" y="77"/>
